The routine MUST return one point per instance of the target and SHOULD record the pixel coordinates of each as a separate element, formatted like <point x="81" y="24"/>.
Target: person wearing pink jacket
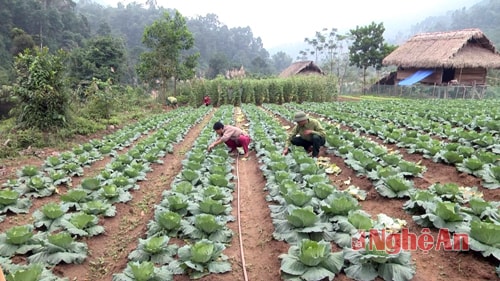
<point x="232" y="136"/>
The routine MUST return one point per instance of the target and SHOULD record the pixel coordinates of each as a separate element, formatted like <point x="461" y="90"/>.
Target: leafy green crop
<point x="144" y="271"/>
<point x="202" y="258"/>
<point x="339" y="204"/>
<point x="60" y="247"/>
<point x="485" y="239"/>
<point x="154" y="249"/>
<point x="18" y="240"/>
<point x="310" y="260"/>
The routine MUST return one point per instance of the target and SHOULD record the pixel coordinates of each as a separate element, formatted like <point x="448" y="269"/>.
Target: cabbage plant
<point x="135" y="174"/>
<point x="381" y="172"/>
<point x="191" y="176"/>
<point x="210" y="206"/>
<point x="408" y="168"/>
<point x="346" y="227"/>
<point x="298" y="223"/>
<point x="368" y="264"/>
<point x="144" y="271"/>
<point x="83" y="224"/>
<point x="59" y="177"/>
<point x="75" y="197"/>
<point x="339" y="203"/>
<point x="491" y="176"/>
<point x="221" y="194"/>
<point x="111" y="194"/>
<point x="37" y="186"/>
<point x="10" y="201"/>
<point x="50" y="216"/>
<point x="165" y="223"/>
<point x="444" y="215"/>
<point x="72" y="169"/>
<point x="202" y="258"/>
<point x="53" y="163"/>
<point x="420" y="201"/>
<point x="206" y="226"/>
<point x="27" y="172"/>
<point x="31" y="272"/>
<point x="18" y="240"/>
<point x="472" y="165"/>
<point x="488" y="211"/>
<point x="124" y="182"/>
<point x="484" y="238"/>
<point x="175" y="202"/>
<point x="311" y="260"/>
<point x="154" y="249"/>
<point x="323" y="190"/>
<point x="447" y="191"/>
<point x="59" y="247"/>
<point x="394" y="187"/>
<point x="97" y="207"/>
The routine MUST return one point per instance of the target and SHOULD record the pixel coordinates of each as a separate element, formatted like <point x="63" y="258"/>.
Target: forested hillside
<point x="484" y="15"/>
<point x="76" y="27"/>
<point x="72" y="26"/>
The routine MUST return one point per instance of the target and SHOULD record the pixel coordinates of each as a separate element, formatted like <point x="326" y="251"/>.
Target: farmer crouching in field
<point x="172" y="101"/>
<point x="232" y="136"/>
<point x="311" y="135"/>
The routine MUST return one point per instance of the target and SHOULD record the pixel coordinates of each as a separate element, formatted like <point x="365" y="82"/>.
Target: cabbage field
<point x="402" y="190"/>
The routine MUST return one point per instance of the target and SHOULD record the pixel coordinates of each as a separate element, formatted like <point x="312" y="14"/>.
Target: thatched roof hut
<point x="457" y="49"/>
<point x="302" y="68"/>
<point x="462" y="56"/>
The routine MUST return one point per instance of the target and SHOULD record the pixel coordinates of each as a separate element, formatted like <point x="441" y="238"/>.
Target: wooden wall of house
<point x="464" y="76"/>
<point x="470" y="76"/>
<point x="435" y="78"/>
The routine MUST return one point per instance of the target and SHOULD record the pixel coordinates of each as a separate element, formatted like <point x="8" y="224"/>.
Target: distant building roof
<point x="301" y="67"/>
<point x="453" y="49"/>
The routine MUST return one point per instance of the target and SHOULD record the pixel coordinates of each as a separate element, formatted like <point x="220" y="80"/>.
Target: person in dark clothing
<point x="308" y="133"/>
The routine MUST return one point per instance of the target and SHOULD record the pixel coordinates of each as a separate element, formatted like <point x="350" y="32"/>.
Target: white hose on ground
<point x="242" y="252"/>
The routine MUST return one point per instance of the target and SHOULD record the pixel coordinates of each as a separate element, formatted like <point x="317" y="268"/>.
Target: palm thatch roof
<point x="467" y="48"/>
<point x="301" y="67"/>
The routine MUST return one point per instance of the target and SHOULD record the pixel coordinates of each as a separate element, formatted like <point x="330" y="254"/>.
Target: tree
<point x="218" y="64"/>
<point x="368" y="48"/>
<point x="20" y="41"/>
<point x="317" y="43"/>
<point x="281" y="60"/>
<point x="41" y="95"/>
<point x="167" y="38"/>
<point x="103" y="57"/>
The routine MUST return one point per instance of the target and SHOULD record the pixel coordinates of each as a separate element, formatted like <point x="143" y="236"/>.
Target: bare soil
<point x="108" y="252"/>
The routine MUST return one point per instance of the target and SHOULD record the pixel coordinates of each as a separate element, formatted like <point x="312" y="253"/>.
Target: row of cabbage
<point x="447" y="206"/>
<point x="475" y="153"/>
<point x="196" y="209"/>
<point x="33" y="181"/>
<point x="478" y="128"/>
<point x="390" y="173"/>
<point x="53" y="236"/>
<point x="309" y="213"/>
<point x="437" y="116"/>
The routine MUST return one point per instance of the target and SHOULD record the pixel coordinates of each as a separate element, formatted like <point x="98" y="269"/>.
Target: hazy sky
<point x="279" y="22"/>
